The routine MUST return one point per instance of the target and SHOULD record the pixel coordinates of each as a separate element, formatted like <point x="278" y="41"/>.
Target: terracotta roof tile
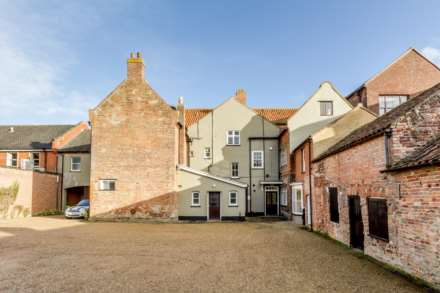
<point x="275" y="115"/>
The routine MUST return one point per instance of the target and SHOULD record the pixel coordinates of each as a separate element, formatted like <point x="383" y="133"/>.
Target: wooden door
<point x="271" y="203"/>
<point x="356" y="224"/>
<point x="214" y="205"/>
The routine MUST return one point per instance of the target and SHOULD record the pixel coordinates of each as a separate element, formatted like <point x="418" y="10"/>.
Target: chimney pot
<point x="240" y="96"/>
<point x="135" y="67"/>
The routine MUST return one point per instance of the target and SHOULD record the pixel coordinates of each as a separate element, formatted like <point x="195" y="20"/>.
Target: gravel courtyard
<point x="57" y="255"/>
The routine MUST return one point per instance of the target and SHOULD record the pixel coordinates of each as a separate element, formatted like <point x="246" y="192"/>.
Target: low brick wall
<point x="44" y="191"/>
<point x="24" y="192"/>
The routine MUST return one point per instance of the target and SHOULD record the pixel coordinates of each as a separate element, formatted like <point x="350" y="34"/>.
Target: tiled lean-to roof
<point x="275" y="115"/>
<point x="30" y="137"/>
<point x="428" y="154"/>
<point x="378" y="126"/>
<point x="81" y="143"/>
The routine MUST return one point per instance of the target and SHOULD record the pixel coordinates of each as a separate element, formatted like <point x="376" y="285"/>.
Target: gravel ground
<point x="57" y="255"/>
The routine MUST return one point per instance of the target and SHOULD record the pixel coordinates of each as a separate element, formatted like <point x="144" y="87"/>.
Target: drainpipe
<point x="310" y="184"/>
<point x="62" y="183"/>
<point x="250" y="177"/>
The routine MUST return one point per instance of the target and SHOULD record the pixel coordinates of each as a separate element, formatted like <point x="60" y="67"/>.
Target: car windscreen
<point x="83" y="203"/>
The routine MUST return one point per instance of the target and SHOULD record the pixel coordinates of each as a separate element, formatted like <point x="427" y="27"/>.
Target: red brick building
<point x="409" y="74"/>
<point x="378" y="189"/>
<point x="35" y="146"/>
<point x="135" y="151"/>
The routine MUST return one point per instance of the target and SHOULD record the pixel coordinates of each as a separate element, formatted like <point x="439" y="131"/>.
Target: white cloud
<point x="33" y="70"/>
<point x="432" y="54"/>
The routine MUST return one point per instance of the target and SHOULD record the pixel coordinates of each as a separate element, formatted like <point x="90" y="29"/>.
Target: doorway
<point x="356" y="223"/>
<point x="271" y="201"/>
<point x="214" y="205"/>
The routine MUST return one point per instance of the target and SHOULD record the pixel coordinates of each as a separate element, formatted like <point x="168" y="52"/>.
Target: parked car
<point x="78" y="211"/>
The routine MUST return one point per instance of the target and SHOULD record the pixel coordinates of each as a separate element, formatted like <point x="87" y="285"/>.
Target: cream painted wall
<point x="307" y="120"/>
<point x="211" y="131"/>
<point x="189" y="182"/>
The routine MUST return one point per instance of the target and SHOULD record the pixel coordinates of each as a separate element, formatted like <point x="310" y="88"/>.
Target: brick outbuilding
<point x="378" y="189"/>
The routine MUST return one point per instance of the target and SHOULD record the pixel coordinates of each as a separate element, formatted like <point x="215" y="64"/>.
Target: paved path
<point x="57" y="255"/>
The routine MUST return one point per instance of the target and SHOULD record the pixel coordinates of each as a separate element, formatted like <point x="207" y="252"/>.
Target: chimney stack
<point x="241" y="96"/>
<point x="135" y="67"/>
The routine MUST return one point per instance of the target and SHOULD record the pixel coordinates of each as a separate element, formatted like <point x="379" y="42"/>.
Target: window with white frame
<point x="326" y="108"/>
<point x="207" y="153"/>
<point x="233" y="137"/>
<point x="387" y="103"/>
<point x="11" y="159"/>
<point x="283" y="157"/>
<point x="297" y="199"/>
<point x="36" y="160"/>
<point x="234" y="169"/>
<point x="75" y="164"/>
<point x="303" y="160"/>
<point x="233" y="201"/>
<point x="284" y="196"/>
<point x="257" y="159"/>
<point x="107" y="184"/>
<point x="195" y="199"/>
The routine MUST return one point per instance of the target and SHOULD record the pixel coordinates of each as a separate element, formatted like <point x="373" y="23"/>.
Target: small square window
<point x="233" y="198"/>
<point x="75" y="164"/>
<point x="195" y="199"/>
<point x="207" y="153"/>
<point x="233" y="137"/>
<point x="107" y="184"/>
<point x="326" y="108"/>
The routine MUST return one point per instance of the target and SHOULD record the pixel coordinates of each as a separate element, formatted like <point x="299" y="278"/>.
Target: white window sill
<point x="297" y="214"/>
<point x="258" y="167"/>
<point x="233" y="205"/>
<point x="195" y="206"/>
<point x="233" y="144"/>
<point x="235" y="177"/>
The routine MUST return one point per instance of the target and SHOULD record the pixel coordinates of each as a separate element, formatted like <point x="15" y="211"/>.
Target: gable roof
<point x="378" y="126"/>
<point x="428" y="154"/>
<point x="79" y="144"/>
<point x="274" y="115"/>
<point x="410" y="50"/>
<point x="30" y="137"/>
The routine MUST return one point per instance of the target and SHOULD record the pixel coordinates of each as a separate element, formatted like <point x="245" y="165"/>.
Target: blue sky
<point x="60" y="58"/>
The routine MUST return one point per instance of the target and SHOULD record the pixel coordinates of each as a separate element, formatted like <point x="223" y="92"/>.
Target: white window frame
<point x="207" y="153"/>
<point x="193" y="204"/>
<point x="295" y="203"/>
<point x="284" y="196"/>
<point x="9" y="159"/>
<point x="237" y="175"/>
<point x="33" y="160"/>
<point x="253" y="160"/>
<point x="103" y="182"/>
<point x="233" y="135"/>
<point x="321" y="105"/>
<point x="383" y="102"/>
<point x="75" y="167"/>
<point x="236" y="198"/>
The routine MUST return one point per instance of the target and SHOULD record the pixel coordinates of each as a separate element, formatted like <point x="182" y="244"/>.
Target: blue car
<point x="79" y="211"/>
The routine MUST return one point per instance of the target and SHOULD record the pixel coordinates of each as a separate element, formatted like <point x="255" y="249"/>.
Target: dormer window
<point x="326" y="108"/>
<point x="233" y="137"/>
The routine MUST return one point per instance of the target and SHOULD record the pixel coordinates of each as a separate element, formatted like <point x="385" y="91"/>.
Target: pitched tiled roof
<point x="378" y="126"/>
<point x="81" y="143"/>
<point x="429" y="154"/>
<point x="30" y="137"/>
<point x="275" y="115"/>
